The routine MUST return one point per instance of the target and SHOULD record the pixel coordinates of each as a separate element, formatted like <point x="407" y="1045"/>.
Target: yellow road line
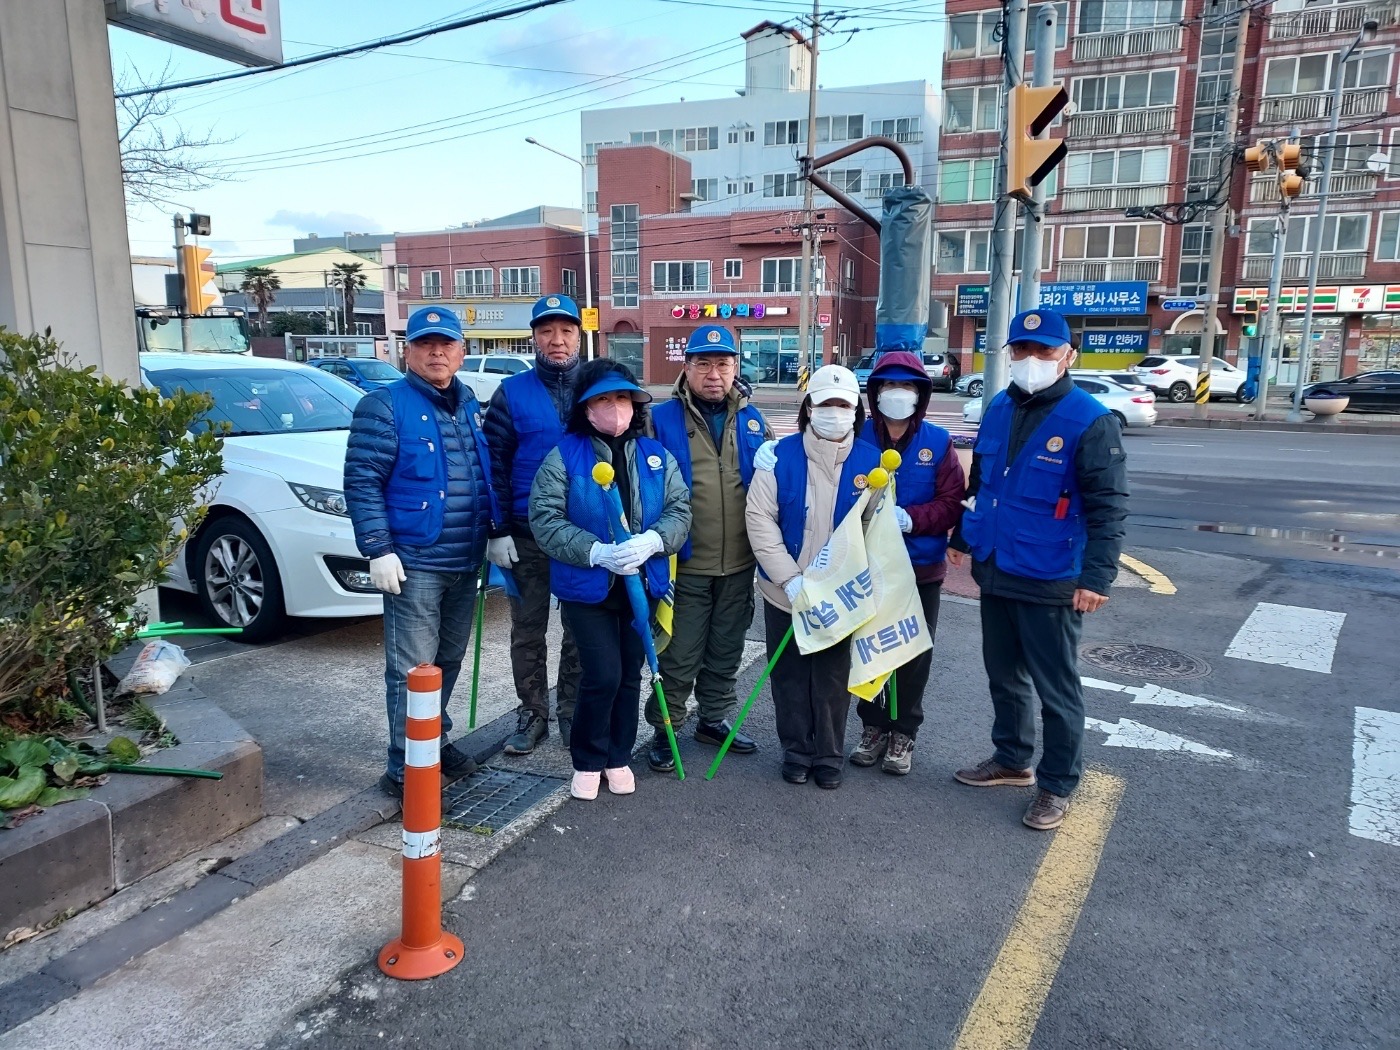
<point x="1006" y="1010"/>
<point x="1157" y="581"/>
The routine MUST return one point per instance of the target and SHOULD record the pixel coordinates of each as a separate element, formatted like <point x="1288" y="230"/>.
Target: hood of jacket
<point x="897" y="361"/>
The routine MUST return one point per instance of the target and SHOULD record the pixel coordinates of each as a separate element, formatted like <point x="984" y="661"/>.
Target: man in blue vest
<point x="418" y="487"/>
<point x="1044" y="524"/>
<point x="713" y="432"/>
<point x="525" y="422"/>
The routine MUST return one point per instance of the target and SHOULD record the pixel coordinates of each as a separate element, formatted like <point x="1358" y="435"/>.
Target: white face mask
<point x="897" y="404"/>
<point x="1034" y="374"/>
<point x="833" y="423"/>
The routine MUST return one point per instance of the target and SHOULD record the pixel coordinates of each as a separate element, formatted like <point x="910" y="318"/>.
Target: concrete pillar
<point x="65" y="262"/>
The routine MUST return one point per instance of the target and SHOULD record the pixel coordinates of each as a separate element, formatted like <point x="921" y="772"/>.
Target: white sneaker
<point x="620" y="780"/>
<point x="585" y="785"/>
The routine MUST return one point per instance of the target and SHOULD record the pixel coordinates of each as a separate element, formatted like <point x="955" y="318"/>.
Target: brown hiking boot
<point x="899" y="755"/>
<point x="1047" y="812"/>
<point x="991" y="773"/>
<point x="871" y="746"/>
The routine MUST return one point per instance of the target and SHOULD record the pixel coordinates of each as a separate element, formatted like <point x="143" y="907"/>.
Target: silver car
<point x="1134" y="408"/>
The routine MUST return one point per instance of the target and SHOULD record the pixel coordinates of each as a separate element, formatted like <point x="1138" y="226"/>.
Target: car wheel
<point x="1122" y="420"/>
<point x="1179" y="393"/>
<point x="1244" y="397"/>
<point x="974" y="389"/>
<point x="237" y="579"/>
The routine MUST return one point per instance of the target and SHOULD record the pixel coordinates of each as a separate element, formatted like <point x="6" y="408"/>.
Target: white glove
<point x="766" y="458"/>
<point x="610" y="557"/>
<point x="638" y="549"/>
<point x="386" y="573"/>
<point x="793" y="588"/>
<point x="906" y="523"/>
<point x="501" y="552"/>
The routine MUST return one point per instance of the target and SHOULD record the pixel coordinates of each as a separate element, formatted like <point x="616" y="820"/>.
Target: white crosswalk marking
<point x="1127" y="733"/>
<point x="1288" y="635"/>
<point x="784" y="421"/>
<point x="1375" y="776"/>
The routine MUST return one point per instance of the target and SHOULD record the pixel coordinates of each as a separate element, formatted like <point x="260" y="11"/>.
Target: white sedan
<point x="1133" y="408"/>
<point x="277" y="540"/>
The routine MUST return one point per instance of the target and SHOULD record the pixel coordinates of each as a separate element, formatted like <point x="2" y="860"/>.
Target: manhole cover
<point x="490" y="798"/>
<point x="1144" y="661"/>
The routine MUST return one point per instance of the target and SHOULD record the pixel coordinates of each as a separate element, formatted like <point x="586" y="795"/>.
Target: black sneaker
<point x="659" y="758"/>
<point x="530" y="729"/>
<point x="456" y="763"/>
<point x="826" y="777"/>
<point x="566" y="730"/>
<point x="391" y="787"/>
<point x="794" y="773"/>
<point x="717" y="732"/>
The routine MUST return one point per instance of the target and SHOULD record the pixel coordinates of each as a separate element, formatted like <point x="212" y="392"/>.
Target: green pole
<point x="477" y="623"/>
<point x="670" y="730"/>
<point x="744" y="711"/>
<point x="894" y="695"/>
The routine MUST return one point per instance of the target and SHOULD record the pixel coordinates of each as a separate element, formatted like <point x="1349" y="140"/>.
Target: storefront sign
<point x="1179" y="305"/>
<point x="247" y="32"/>
<point x="1346" y="299"/>
<point x="973" y="300"/>
<point x="491" y="314"/>
<point x="1118" y="340"/>
<point x="1073" y="298"/>
<point x="722" y="311"/>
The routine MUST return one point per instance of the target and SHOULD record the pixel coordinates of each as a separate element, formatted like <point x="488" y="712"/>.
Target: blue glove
<point x="611" y="557"/>
<point x="766" y="458"/>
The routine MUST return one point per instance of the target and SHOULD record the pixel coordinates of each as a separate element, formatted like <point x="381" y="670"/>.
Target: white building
<point x="743" y="150"/>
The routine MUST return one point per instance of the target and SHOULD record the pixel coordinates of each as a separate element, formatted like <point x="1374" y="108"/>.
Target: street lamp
<point x="1367" y="32"/>
<point x="587" y="252"/>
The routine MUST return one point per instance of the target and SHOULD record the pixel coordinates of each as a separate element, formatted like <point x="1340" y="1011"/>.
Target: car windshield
<point x="1151" y="362"/>
<point x="210" y="335"/>
<point x="868" y="361"/>
<point x="271" y="401"/>
<point x="378" y="371"/>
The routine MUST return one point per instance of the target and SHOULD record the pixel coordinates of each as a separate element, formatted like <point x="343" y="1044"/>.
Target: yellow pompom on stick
<point x="890" y="459"/>
<point x="603" y="473"/>
<point x="878" y="478"/>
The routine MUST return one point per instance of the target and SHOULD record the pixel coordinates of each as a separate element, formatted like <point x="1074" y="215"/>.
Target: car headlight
<point x="326" y="501"/>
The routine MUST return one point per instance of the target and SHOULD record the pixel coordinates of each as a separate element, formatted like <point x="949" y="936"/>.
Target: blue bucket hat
<point x="615" y="381"/>
<point x="552" y="306"/>
<point x="433" y="320"/>
<point x="1045" y="327"/>
<point x="711" y="339"/>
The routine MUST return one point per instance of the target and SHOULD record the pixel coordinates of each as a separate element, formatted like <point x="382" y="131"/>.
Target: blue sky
<point x="329" y="148"/>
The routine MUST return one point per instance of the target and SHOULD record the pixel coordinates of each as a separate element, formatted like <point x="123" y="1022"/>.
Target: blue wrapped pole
<point x="901" y="311"/>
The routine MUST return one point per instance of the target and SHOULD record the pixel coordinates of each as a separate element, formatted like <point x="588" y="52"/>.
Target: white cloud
<point x="324" y="222"/>
<point x="571" y="44"/>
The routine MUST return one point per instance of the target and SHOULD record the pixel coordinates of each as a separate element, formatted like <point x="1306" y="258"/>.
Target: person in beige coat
<point x="795" y="503"/>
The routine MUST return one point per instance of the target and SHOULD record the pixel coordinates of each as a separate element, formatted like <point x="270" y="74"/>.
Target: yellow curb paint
<point x="1006" y="1010"/>
<point x="1157" y="582"/>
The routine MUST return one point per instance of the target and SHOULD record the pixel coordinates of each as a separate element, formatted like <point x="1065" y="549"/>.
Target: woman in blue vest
<point x="570" y="521"/>
<point x="792" y="511"/>
<point x="928" y="492"/>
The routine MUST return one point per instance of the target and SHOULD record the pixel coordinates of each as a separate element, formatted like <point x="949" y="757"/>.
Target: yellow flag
<point x="666" y="614"/>
<point x="836" y="596"/>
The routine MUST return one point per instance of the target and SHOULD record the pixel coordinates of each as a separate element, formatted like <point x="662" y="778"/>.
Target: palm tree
<point x="260" y="285"/>
<point x="349" y="279"/>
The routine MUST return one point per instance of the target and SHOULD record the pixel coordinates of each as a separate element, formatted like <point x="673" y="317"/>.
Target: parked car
<point x="1175" y="377"/>
<point x="970" y="385"/>
<point x="367" y="373"/>
<point x="863" y="369"/>
<point x="1368" y="391"/>
<point x="943" y="369"/>
<point x="1134" y="408"/>
<point x="277" y="540"/>
<point x="484" y="372"/>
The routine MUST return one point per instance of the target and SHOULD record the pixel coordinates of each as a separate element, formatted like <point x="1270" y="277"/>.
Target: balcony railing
<point x="1264" y="188"/>
<point x="1111" y="198"/>
<point x="1149" y="270"/>
<point x="1339" y="18"/>
<point x="1295" y="267"/>
<point x="1153" y="41"/>
<point x="876" y="193"/>
<point x="1289" y="109"/>
<point x="1112" y="122"/>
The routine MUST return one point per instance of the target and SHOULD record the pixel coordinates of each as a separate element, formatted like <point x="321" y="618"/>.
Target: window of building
<point x="1044" y="254"/>
<point x="782" y="275"/>
<point x="705" y="189"/>
<point x="625" y="231"/>
<point x="971" y="109"/>
<point x="887" y="180"/>
<point x="472" y="284"/>
<point x="364" y="328"/>
<point x="1118" y="16"/>
<point x="963" y="251"/>
<point x="401" y="278"/>
<point x="431" y="285"/>
<point x="734" y="189"/>
<point x="1340" y="234"/>
<point x="1388" y="239"/>
<point x="1118" y="167"/>
<point x="590" y="203"/>
<point x="848" y="275"/>
<point x="1112" y="241"/>
<point x="568" y="282"/>
<point x="1194" y="272"/>
<point x="781" y="186"/>
<point x="840" y="129"/>
<point x="626" y="349"/>
<point x="693" y="140"/>
<point x="733" y="269"/>
<point x="625" y="241"/>
<point x="781" y="132"/>
<point x="845" y="179"/>
<point x="962" y="181"/>
<point x="681" y="276"/>
<point x="748" y="134"/>
<point x="1354" y="150"/>
<point x="1125" y="91"/>
<point x="974" y="33"/>
<point x="1301" y="74"/>
<point x="901" y="129"/>
<point x="590" y="149"/>
<point x="732" y="137"/>
<point x="520" y="280"/>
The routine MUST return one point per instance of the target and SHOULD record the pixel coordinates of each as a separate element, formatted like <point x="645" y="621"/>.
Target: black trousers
<point x="1025" y="644"/>
<point x="609" y="687"/>
<point x="910" y="680"/>
<point x="810" y="698"/>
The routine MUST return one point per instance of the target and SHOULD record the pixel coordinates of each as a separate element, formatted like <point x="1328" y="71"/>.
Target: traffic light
<point x="1290" y="180"/>
<point x="1258" y="157"/>
<point x="1250" y="317"/>
<point x="1030" y="160"/>
<point x="200" y="292"/>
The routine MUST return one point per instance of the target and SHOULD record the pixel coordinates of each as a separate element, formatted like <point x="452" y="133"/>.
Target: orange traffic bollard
<point x="422" y="949"/>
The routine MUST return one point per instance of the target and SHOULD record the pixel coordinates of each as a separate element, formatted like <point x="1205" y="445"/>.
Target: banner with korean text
<point x="665" y="616"/>
<point x="837" y="596"/>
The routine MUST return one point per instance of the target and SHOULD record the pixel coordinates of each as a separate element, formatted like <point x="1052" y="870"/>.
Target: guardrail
<point x="1110" y="198"/>
<point x="1288" y="109"/>
<point x="1149" y="270"/>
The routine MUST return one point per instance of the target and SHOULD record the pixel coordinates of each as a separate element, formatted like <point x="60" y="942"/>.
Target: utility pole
<point x="995" y="363"/>
<point x="1032" y="235"/>
<point x="186" y="327"/>
<point x="806" y="345"/>
<point x="1218" y="224"/>
<point x="1273" y="324"/>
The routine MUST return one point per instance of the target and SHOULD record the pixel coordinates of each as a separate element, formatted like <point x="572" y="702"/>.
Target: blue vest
<point x="672" y="431"/>
<point x="415" y="496"/>
<point x="791" y="476"/>
<point x="588" y="508"/>
<point x="1016" y="516"/>
<point x="917" y="482"/>
<point x="537" y="431"/>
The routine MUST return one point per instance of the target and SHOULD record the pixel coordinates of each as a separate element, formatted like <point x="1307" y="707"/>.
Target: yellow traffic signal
<point x="1250" y="317"/>
<point x="200" y="293"/>
<point x="1289" y="154"/>
<point x="1030" y="160"/>
<point x="1290" y="181"/>
<point x="1290" y="184"/>
<point x="1258" y="158"/>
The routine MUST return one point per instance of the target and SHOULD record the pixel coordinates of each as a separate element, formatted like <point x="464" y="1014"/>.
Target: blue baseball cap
<point x="1045" y="327"/>
<point x="615" y="381"/>
<point x="552" y="306"/>
<point x="711" y="339"/>
<point x="433" y="320"/>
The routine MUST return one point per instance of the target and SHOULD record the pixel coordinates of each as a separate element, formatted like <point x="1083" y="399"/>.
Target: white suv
<point x="485" y="372"/>
<point x="1175" y="377"/>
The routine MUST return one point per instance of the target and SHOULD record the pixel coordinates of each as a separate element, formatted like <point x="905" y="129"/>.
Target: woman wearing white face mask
<point x="792" y="510"/>
<point x="928" y="503"/>
<point x="569" y="518"/>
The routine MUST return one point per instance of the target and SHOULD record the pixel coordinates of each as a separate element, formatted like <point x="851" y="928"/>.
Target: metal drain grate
<point x="1144" y="661"/>
<point x="490" y="798"/>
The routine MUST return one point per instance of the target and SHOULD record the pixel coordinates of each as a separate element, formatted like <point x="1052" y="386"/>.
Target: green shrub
<point x="95" y="480"/>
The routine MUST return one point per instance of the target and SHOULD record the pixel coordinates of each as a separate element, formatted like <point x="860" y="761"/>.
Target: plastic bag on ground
<point x="155" y="669"/>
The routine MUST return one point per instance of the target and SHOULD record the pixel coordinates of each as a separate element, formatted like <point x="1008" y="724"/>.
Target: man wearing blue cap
<point x="1044" y="524"/>
<point x="713" y="432"/>
<point x="526" y="420"/>
<point x="418" y="487"/>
